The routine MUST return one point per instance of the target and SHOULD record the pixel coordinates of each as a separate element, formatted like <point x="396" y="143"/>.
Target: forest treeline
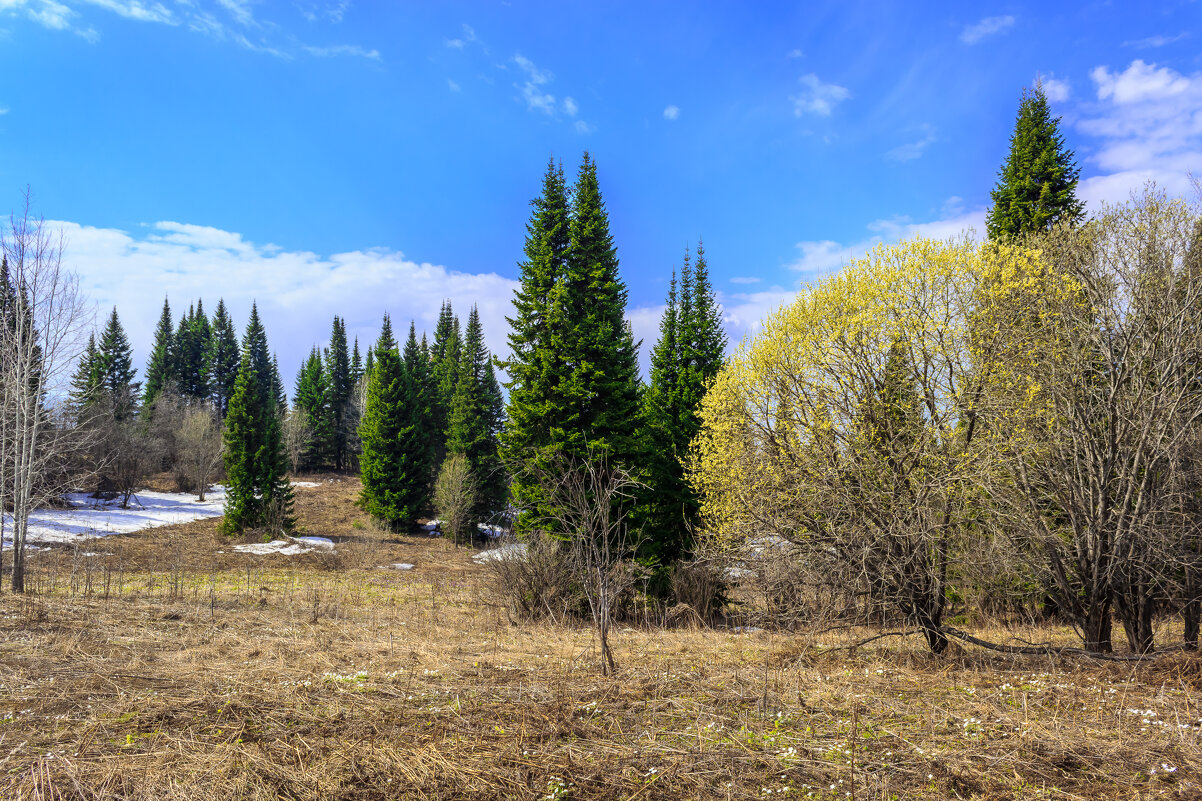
<point x="1007" y="427"/>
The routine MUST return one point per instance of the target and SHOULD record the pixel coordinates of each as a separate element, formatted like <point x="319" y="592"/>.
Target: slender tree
<point x="115" y="368"/>
<point x="475" y="421"/>
<point x="222" y="359"/>
<point x="313" y="400"/>
<point x="160" y="369"/>
<point x="338" y="370"/>
<point x="258" y="493"/>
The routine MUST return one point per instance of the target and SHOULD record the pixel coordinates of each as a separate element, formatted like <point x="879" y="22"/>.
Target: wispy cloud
<point x="344" y="50"/>
<point x="532" y="87"/>
<point x="467" y="37"/>
<point x="583" y="127"/>
<point x="817" y="96"/>
<point x="231" y="21"/>
<point x="985" y="28"/>
<point x="672" y="112"/>
<point x="454" y="87"/>
<point x="745" y="279"/>
<point x="912" y="150"/>
<point x="1156" y="41"/>
<point x="569" y="107"/>
<point x="142" y="12"/>
<point x="795" y="53"/>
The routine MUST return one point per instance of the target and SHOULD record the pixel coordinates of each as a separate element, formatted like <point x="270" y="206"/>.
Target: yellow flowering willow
<point x="853" y="423"/>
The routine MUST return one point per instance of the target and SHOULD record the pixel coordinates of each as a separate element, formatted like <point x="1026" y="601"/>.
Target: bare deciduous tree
<point x="200" y="446"/>
<point x="587" y="502"/>
<point x="44" y="319"/>
<point x="296" y="436"/>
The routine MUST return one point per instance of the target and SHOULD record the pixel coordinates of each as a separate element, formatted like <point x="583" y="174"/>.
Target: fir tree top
<point x="1037" y="185"/>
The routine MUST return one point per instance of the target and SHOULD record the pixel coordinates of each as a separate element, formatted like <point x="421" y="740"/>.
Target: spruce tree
<point x="417" y="366"/>
<point x="533" y="366"/>
<point x="190" y="354"/>
<point x="1037" y="185"/>
<point x="595" y="405"/>
<point x="444" y="370"/>
<point x="394" y="484"/>
<point x="684" y="362"/>
<point x="339" y="376"/>
<point x="312" y="399"/>
<point x="356" y="364"/>
<point x="258" y="493"/>
<point x="475" y="421"/>
<point x="85" y="384"/>
<point x="222" y="359"/>
<point x="159" y="369"/>
<point x="115" y="368"/>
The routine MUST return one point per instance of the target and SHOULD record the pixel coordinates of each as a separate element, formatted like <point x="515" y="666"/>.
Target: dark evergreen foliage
<point x="222" y="359"/>
<point x="475" y="421"/>
<point x="1037" y="185"/>
<point x="160" y="368"/>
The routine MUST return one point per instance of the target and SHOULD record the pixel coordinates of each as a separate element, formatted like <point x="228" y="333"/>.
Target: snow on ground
<point x="489" y="531"/>
<point x="397" y="566"/>
<point x="92" y="517"/>
<point x="284" y="547"/>
<point x="306" y="484"/>
<point x="514" y="550"/>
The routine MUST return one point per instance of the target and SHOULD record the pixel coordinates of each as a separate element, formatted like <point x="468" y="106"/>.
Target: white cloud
<point x="986" y="27"/>
<point x="1055" y="90"/>
<point x="817" y="97"/>
<point x="3" y="110"/>
<point x="532" y="92"/>
<point x="297" y="292"/>
<point x="583" y="127"/>
<point x="672" y="113"/>
<point x="1148" y="125"/>
<point x="823" y="257"/>
<point x="240" y="11"/>
<point x="454" y="87"/>
<point x="468" y="37"/>
<point x="49" y="14"/>
<point x="569" y="107"/>
<point x="142" y="12"/>
<point x="795" y="53"/>
<point x="344" y="50"/>
<point x="745" y="279"/>
<point x="1155" y="41"/>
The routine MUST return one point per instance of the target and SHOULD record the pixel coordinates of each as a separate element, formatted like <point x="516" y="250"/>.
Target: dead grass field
<point x="168" y="667"/>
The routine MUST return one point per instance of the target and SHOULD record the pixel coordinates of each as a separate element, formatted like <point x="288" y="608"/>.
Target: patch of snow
<point x="491" y="532"/>
<point x="397" y="566"/>
<point x="306" y="484"/>
<point x="432" y="528"/>
<point x="317" y="542"/>
<point x="737" y="573"/>
<point x="285" y="547"/>
<point x="93" y="517"/>
<point x="513" y="550"/>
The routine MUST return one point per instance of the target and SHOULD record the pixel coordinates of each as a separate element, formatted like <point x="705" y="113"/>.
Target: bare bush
<point x="200" y="447"/>
<point x="455" y="494"/>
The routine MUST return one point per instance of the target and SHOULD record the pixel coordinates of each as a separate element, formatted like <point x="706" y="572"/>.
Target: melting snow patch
<point x="514" y="550"/>
<point x="287" y="547"/>
<point x="92" y="517"/>
<point x="431" y="528"/>
<point x="397" y="566"/>
<point x="306" y="484"/>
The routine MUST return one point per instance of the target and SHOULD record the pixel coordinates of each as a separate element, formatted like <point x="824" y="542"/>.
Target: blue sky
<point x="352" y="157"/>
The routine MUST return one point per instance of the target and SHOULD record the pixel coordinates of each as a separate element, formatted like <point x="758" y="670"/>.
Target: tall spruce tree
<point x="356" y="364"/>
<point x="222" y="358"/>
<point x="475" y="421"/>
<point x="313" y="399"/>
<point x="395" y="482"/>
<point x="115" y="369"/>
<point x="684" y="362"/>
<point x="341" y="386"/>
<point x="258" y="493"/>
<point x="444" y="370"/>
<point x="417" y="366"/>
<point x="532" y="366"/>
<point x="1037" y="185"/>
<point x="191" y="354"/>
<point x="85" y="384"/>
<point x="595" y="405"/>
<point x="159" y="370"/>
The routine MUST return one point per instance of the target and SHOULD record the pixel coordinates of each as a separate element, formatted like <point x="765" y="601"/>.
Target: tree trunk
<point x="1097" y="627"/>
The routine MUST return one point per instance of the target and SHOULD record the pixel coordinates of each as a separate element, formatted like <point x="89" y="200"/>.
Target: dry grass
<point x="202" y="675"/>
